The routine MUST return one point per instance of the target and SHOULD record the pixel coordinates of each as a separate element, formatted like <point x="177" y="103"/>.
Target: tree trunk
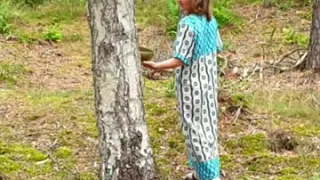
<point x="313" y="60"/>
<point x="267" y="3"/>
<point x="124" y="142"/>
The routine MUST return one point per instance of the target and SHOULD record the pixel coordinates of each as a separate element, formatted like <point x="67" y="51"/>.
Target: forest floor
<point x="269" y="122"/>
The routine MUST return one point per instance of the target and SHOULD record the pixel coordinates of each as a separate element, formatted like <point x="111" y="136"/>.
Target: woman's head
<point x="200" y="7"/>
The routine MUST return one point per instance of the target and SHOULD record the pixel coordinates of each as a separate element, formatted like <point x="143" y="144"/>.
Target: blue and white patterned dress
<point x="197" y="44"/>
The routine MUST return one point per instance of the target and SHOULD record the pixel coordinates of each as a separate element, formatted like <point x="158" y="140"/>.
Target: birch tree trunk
<point x="124" y="142"/>
<point x="313" y="60"/>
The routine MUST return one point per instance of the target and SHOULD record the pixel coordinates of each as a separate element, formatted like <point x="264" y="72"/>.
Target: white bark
<point x="125" y="147"/>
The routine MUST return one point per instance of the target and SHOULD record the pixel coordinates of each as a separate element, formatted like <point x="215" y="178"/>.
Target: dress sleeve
<point x="219" y="42"/>
<point x="184" y="44"/>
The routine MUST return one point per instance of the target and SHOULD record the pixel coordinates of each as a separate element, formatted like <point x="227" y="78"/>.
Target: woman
<point x="195" y="57"/>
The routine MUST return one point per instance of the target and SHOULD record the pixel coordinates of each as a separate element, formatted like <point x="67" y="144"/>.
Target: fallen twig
<point x="302" y="59"/>
<point x="237" y="114"/>
<point x="289" y="53"/>
<point x="315" y="100"/>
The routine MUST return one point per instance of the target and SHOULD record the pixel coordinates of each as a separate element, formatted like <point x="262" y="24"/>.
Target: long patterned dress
<point x="197" y="44"/>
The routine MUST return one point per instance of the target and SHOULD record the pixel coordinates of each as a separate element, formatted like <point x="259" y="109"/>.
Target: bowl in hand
<point x="146" y="54"/>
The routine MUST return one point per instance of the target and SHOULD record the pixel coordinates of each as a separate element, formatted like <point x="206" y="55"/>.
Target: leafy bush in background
<point x="60" y="11"/>
<point x="8" y="11"/>
<point x="221" y="12"/>
<point x="53" y="34"/>
<point x="171" y="19"/>
<point x="293" y="37"/>
<point x="34" y="3"/>
<point x="288" y="4"/>
<point x="225" y="16"/>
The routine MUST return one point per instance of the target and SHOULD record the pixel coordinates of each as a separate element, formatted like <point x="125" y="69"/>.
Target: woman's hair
<point x="202" y="7"/>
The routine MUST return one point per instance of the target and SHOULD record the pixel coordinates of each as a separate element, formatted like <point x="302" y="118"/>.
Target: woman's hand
<point x="150" y="65"/>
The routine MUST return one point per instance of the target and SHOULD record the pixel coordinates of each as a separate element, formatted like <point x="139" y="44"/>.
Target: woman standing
<point x="195" y="57"/>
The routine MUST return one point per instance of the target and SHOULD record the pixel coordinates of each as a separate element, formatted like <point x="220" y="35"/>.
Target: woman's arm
<point x="167" y="64"/>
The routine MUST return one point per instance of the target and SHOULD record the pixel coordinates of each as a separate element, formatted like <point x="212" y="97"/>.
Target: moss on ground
<point x="248" y="145"/>
<point x="17" y="158"/>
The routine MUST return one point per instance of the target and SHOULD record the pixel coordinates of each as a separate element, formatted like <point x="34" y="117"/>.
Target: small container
<point x="146" y="54"/>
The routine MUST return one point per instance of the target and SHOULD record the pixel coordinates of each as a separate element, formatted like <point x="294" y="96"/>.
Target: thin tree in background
<point x="313" y="60"/>
<point x="267" y="3"/>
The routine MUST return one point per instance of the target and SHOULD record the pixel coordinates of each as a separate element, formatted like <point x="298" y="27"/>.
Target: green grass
<point x="23" y="153"/>
<point x="301" y="167"/>
<point x="63" y="152"/>
<point x="87" y="176"/>
<point x="225" y="16"/>
<point x="248" y="145"/>
<point x="71" y="109"/>
<point x="295" y="111"/>
<point x="14" y="16"/>
<point x="8" y="14"/>
<point x="7" y="165"/>
<point x="161" y="115"/>
<point x="10" y="72"/>
<point x="290" y="4"/>
<point x="20" y="157"/>
<point x="293" y="37"/>
<point x="53" y="33"/>
<point x="164" y="128"/>
<point x="61" y="11"/>
<point x="72" y="106"/>
<point x="299" y="104"/>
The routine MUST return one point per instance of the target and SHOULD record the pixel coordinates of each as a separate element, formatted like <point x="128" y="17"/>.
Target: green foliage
<point x="63" y="152"/>
<point x="74" y="37"/>
<point x="24" y="37"/>
<point x="173" y="7"/>
<point x="4" y="25"/>
<point x="285" y="5"/>
<point x="308" y="15"/>
<point x="249" y="145"/>
<point x="58" y="11"/>
<point x="288" y="104"/>
<point x="87" y="176"/>
<point x="240" y="100"/>
<point x="293" y="37"/>
<point x="171" y="19"/>
<point x="307" y="130"/>
<point x="7" y="13"/>
<point x="34" y="3"/>
<point x="7" y="165"/>
<point x="316" y="176"/>
<point x="171" y="91"/>
<point x="163" y="122"/>
<point x="22" y="152"/>
<point x="221" y="11"/>
<point x="54" y="34"/>
<point x="289" y="4"/>
<point x="14" y="157"/>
